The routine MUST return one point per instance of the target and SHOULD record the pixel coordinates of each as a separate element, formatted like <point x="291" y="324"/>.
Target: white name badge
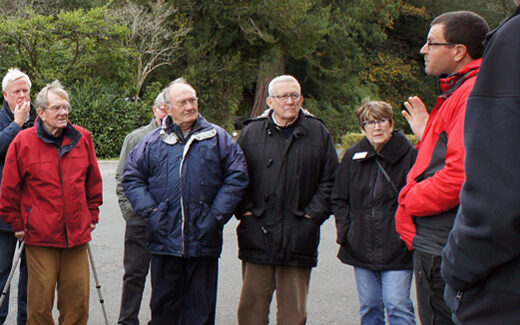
<point x="360" y="155"/>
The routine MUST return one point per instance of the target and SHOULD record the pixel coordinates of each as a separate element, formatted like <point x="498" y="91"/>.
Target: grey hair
<point x="12" y="75"/>
<point x="282" y="78"/>
<point x="54" y="87"/>
<point x="177" y="81"/>
<point x="159" y="100"/>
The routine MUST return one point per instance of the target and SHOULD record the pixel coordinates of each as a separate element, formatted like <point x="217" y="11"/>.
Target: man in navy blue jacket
<point x="186" y="179"/>
<point x="17" y="114"/>
<point x="481" y="262"/>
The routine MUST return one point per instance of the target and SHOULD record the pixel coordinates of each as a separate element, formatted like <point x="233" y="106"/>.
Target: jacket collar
<point x="171" y="133"/>
<point x="394" y="150"/>
<point x="70" y="136"/>
<point x="32" y="115"/>
<point x="447" y="84"/>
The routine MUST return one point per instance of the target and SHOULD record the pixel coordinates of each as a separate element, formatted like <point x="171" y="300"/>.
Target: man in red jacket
<point x="51" y="193"/>
<point x="429" y="201"/>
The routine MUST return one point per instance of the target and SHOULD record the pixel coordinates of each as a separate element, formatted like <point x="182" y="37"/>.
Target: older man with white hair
<point x="291" y="161"/>
<point x="185" y="179"/>
<point x="51" y="193"/>
<point x="16" y="115"/>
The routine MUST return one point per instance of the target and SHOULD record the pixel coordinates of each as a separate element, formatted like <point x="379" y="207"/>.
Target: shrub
<point x="107" y="115"/>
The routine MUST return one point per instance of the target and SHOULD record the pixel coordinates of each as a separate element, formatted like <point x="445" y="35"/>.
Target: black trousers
<point x="136" y="262"/>
<point x="430" y="289"/>
<point x="184" y="290"/>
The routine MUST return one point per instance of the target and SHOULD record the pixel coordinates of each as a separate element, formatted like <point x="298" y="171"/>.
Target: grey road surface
<point x="332" y="298"/>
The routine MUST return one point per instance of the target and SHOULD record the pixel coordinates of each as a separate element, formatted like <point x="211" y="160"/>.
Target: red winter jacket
<point x="51" y="193"/>
<point x="429" y="201"/>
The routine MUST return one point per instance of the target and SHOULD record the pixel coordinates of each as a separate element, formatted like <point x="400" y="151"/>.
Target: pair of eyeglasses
<point x="429" y="44"/>
<point x="59" y="108"/>
<point x="183" y="103"/>
<point x="369" y="125"/>
<point x="284" y="98"/>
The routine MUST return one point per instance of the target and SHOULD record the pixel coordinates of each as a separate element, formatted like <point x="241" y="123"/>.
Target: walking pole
<point x="16" y="259"/>
<point x="98" y="286"/>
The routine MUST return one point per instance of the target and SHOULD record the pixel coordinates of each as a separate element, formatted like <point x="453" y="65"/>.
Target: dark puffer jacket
<point x="186" y="189"/>
<point x="364" y="204"/>
<point x="289" y="178"/>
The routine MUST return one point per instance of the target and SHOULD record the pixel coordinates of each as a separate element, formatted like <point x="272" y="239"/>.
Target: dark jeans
<point x="430" y="289"/>
<point x="184" y="290"/>
<point x="7" y="249"/>
<point x="136" y="262"/>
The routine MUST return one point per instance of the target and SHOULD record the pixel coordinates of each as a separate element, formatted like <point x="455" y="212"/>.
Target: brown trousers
<point x="259" y="282"/>
<point x="64" y="268"/>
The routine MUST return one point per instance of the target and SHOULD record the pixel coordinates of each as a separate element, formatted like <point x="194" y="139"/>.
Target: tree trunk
<point x="271" y="65"/>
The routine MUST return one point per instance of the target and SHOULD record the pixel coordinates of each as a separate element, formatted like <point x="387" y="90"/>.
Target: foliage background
<point x="341" y="51"/>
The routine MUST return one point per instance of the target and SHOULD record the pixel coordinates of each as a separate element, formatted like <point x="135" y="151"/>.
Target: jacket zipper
<point x="183" y="210"/>
<point x="63" y="197"/>
<point x="372" y="240"/>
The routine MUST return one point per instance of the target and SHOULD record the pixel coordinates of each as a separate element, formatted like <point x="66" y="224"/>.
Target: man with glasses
<point x="481" y="261"/>
<point x="292" y="162"/>
<point x="51" y="193"/>
<point x="16" y="115"/>
<point x="136" y="258"/>
<point x="185" y="179"/>
<point x="429" y="201"/>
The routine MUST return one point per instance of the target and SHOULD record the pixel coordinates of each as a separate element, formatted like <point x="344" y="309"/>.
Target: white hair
<point x="159" y="100"/>
<point x="55" y="87"/>
<point x="178" y="81"/>
<point x="12" y="75"/>
<point x="282" y="78"/>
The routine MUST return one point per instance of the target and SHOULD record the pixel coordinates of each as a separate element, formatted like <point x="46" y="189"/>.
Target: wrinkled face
<point x="160" y="113"/>
<point x="286" y="101"/>
<point x="378" y="132"/>
<point x="17" y="92"/>
<point x="56" y="115"/>
<point x="438" y="59"/>
<point x="183" y="105"/>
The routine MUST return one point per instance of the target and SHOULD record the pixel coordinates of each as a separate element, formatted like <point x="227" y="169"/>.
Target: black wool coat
<point x="289" y="178"/>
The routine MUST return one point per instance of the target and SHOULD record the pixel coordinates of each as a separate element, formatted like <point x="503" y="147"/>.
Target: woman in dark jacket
<point x="364" y="201"/>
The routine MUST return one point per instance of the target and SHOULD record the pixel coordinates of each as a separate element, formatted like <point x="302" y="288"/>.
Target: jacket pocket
<point x="209" y="230"/>
<point x="302" y="234"/>
<point x="252" y="232"/>
<point x="27" y="224"/>
<point x="158" y="224"/>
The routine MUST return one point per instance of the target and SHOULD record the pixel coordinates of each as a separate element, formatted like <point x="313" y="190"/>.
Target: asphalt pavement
<point x="332" y="297"/>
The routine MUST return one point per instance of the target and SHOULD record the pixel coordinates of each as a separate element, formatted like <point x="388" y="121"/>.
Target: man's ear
<point x="268" y="101"/>
<point x="460" y="52"/>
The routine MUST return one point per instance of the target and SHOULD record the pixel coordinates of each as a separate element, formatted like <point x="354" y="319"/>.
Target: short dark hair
<point x="464" y="27"/>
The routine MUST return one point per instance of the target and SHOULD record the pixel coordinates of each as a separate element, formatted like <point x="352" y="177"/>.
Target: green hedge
<point x="107" y="115"/>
